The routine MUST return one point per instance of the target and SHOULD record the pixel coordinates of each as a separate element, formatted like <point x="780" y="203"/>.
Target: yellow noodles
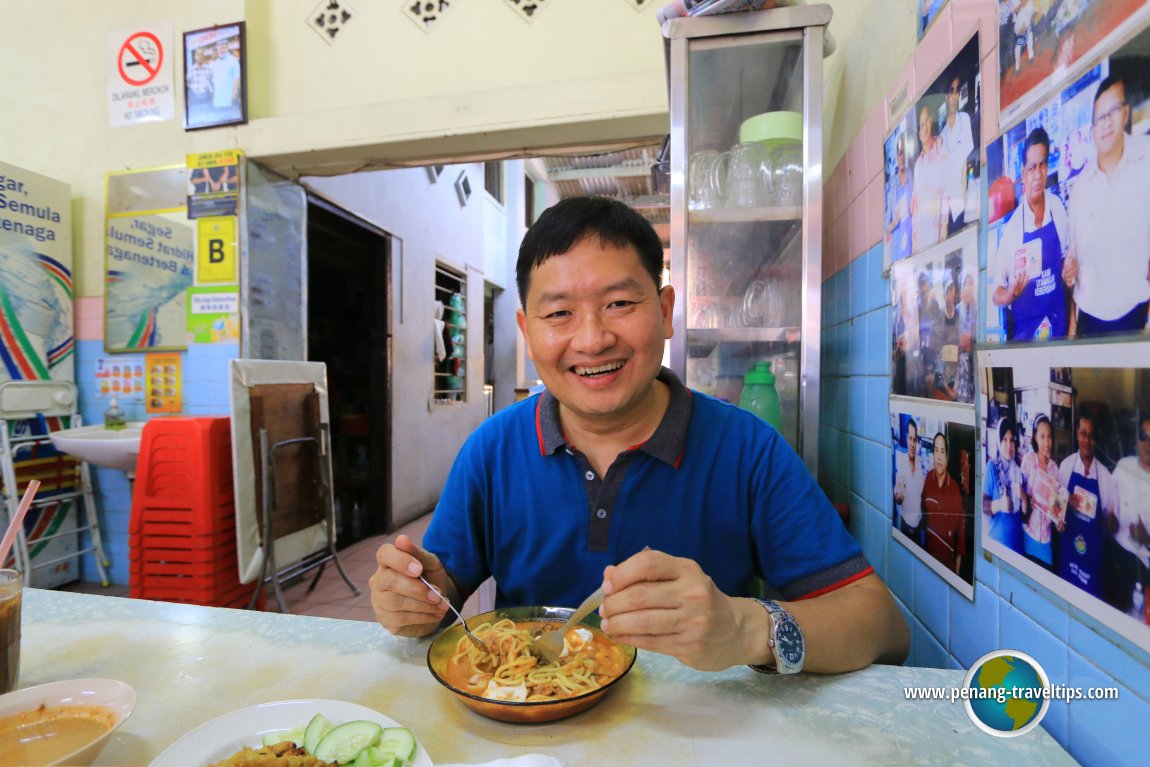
<point x="509" y="671"/>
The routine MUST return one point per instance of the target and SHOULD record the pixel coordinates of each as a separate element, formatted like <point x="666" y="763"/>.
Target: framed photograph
<point x="1068" y="253"/>
<point x="932" y="485"/>
<point x="1065" y="443"/>
<point x="934" y="321"/>
<point x="215" y="77"/>
<point x="1039" y="41"/>
<point x="932" y="170"/>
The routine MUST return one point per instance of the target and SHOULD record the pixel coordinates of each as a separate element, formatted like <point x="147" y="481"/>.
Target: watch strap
<point x="770" y="667"/>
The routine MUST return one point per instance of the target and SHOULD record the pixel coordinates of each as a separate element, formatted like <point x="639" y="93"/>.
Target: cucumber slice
<point x="398" y="741"/>
<point x="319" y="726"/>
<point x="372" y="756"/>
<point x="345" y="741"/>
<point x="295" y="735"/>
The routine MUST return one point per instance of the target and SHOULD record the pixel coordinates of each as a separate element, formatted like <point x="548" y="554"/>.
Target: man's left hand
<point x="669" y="605"/>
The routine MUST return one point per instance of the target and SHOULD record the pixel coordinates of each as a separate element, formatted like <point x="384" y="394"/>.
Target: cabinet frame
<point x="740" y="29"/>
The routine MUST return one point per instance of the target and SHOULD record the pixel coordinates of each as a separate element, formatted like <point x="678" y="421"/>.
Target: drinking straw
<point x="14" y="525"/>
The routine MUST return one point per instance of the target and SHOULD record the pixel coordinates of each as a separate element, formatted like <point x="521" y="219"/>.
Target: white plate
<point x="115" y="696"/>
<point x="223" y="736"/>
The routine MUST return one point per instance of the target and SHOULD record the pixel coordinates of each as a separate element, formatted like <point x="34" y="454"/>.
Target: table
<point x="189" y="664"/>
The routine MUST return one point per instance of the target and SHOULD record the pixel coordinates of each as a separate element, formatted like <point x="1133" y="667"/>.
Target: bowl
<point x="521" y="713"/>
<point x="773" y="128"/>
<point x="117" y="697"/>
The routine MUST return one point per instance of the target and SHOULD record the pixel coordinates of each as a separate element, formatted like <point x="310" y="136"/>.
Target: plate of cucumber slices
<point x="330" y="730"/>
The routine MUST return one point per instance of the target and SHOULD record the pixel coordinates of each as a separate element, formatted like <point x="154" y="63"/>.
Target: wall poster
<point x="932" y="162"/>
<point x="1039" y="40"/>
<point x="1068" y="242"/>
<point x="934" y="321"/>
<point x="933" y="487"/>
<point x="1065" y="499"/>
<point x="928" y="11"/>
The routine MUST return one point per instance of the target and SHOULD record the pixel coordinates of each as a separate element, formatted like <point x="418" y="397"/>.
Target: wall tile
<point x="1118" y="656"/>
<point x="934" y="52"/>
<point x="875" y="203"/>
<point x="878" y="286"/>
<point x="900" y="567"/>
<point x="857" y="350"/>
<point x="873" y="136"/>
<point x="857" y="522"/>
<point x="877" y="484"/>
<point x="1054" y="618"/>
<point x="858" y="302"/>
<point x="857" y="232"/>
<point x="877" y="539"/>
<point x="878" y="343"/>
<point x="877" y="425"/>
<point x="931" y="602"/>
<point x="856" y="167"/>
<point x="989" y="104"/>
<point x="842" y="237"/>
<point x="927" y="651"/>
<point x="1019" y="632"/>
<point x="1105" y="732"/>
<point x="973" y="625"/>
<point x="857" y="447"/>
<point x="856" y="405"/>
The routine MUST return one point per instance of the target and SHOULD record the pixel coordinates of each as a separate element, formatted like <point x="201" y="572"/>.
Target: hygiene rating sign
<point x="140" y="76"/>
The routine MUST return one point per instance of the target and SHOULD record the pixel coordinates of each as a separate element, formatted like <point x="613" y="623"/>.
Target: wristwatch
<point x="786" y="641"/>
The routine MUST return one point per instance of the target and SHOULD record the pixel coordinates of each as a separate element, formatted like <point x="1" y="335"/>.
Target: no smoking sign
<point x="141" y="57"/>
<point x="140" y="76"/>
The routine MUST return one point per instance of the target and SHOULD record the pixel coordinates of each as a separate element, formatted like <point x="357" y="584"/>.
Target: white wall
<point x="429" y="224"/>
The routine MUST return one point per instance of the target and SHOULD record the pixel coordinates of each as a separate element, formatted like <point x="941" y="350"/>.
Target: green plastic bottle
<point x="759" y="395"/>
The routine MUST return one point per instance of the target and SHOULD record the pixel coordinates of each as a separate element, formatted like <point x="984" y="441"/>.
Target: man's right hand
<point x="402" y="604"/>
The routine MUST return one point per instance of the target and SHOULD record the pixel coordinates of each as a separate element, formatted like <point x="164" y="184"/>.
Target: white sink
<point x="97" y="445"/>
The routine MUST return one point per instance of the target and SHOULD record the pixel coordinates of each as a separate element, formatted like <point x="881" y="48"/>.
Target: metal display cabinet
<point x="748" y="280"/>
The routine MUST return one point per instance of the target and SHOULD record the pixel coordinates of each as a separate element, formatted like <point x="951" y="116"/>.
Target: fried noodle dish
<point x="285" y="754"/>
<point x="510" y="671"/>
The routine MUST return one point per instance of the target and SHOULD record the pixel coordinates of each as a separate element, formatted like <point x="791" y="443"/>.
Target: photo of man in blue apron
<point x="1091" y="488"/>
<point x="1028" y="269"/>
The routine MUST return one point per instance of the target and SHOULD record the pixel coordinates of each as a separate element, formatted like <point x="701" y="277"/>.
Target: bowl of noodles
<point x="510" y="682"/>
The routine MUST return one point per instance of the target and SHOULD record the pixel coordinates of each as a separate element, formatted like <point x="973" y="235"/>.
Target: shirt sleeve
<point x="804" y="549"/>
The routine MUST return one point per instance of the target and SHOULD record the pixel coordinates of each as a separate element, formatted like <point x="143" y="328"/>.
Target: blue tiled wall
<point x="206" y="392"/>
<point x="1009" y="610"/>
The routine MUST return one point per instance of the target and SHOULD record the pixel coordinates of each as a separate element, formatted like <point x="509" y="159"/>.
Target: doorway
<point x="347" y="318"/>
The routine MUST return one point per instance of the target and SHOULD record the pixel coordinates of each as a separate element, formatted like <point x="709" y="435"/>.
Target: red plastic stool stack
<point x="182" y="531"/>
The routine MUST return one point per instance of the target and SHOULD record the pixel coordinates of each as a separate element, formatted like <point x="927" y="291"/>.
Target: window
<point x="449" y="381"/>
<point x="493" y="180"/>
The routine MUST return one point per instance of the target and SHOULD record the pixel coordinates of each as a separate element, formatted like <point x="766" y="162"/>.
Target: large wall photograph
<point x="1065" y="491"/>
<point x="1068" y="243"/>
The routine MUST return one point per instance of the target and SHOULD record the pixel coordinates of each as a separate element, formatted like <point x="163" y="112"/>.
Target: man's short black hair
<point x="568" y="221"/>
<point x="1037" y="137"/>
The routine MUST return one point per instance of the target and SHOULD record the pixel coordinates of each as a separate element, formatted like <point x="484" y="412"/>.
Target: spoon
<point x="474" y="639"/>
<point x="550" y="644"/>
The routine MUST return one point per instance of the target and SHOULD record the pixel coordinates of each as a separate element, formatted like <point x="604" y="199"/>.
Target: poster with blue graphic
<point x="36" y="340"/>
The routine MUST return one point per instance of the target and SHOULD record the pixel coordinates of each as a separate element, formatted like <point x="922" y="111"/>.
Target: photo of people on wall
<point x="933" y="487"/>
<point x="934" y="321"/>
<point x="928" y="11"/>
<point x="1069" y="243"/>
<point x="1039" y="38"/>
<point x="932" y="167"/>
<point x="214" y="77"/>
<point x="1066" y="480"/>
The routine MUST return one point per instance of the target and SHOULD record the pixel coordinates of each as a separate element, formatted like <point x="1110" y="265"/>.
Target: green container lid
<point x="760" y="373"/>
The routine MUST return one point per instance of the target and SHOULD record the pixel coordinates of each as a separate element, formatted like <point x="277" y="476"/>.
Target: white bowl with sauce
<point x="66" y="722"/>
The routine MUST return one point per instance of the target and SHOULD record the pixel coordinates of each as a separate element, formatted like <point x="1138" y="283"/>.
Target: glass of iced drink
<point x="11" y="593"/>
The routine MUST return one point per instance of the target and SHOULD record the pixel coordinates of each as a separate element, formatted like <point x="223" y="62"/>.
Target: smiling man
<point x="619" y="477"/>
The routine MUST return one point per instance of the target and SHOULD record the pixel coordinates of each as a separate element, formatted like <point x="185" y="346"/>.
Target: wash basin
<point x="102" y="447"/>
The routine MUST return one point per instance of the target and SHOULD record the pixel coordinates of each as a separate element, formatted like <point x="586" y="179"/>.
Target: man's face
<point x="939" y="456"/>
<point x="1086" y="438"/>
<point x="952" y="97"/>
<point x="911" y="440"/>
<point x="1110" y="113"/>
<point x="924" y="128"/>
<point x="595" y="323"/>
<point x="1034" y="173"/>
<point x="950" y="296"/>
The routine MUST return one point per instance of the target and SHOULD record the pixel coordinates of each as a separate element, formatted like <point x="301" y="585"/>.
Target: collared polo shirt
<point x="714" y="484"/>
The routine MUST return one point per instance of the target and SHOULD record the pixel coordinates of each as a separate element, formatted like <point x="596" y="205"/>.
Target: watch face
<point x="789" y="643"/>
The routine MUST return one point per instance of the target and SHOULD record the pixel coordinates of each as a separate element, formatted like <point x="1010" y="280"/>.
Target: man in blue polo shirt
<point x="617" y="476"/>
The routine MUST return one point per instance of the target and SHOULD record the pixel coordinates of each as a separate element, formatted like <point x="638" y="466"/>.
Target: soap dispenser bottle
<point x="759" y="395"/>
<point x="114" y="417"/>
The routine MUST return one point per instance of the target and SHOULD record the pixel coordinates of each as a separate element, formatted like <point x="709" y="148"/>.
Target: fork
<point x="550" y="643"/>
<point x="474" y="639"/>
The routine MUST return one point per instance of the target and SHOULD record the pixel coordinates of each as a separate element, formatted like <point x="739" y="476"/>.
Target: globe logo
<point x="1005" y="693"/>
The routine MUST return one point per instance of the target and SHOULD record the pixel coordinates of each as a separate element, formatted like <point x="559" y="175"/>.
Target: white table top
<point x="191" y="664"/>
